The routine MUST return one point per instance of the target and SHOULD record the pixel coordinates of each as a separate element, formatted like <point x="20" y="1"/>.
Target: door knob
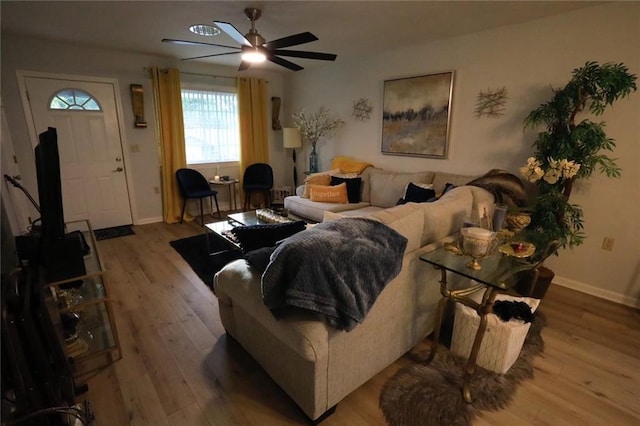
<point x="119" y="169"/>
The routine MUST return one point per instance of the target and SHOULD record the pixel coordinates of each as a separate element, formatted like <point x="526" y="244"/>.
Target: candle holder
<point x="477" y="243"/>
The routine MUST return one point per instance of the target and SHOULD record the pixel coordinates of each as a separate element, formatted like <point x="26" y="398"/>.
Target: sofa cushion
<point x="440" y="179"/>
<point x="361" y="212"/>
<point x="256" y="236"/>
<point x="329" y="194"/>
<point x="444" y="217"/>
<point x="366" y="182"/>
<point x="314" y="210"/>
<point x="387" y="188"/>
<point x="353" y="187"/>
<point x="407" y="220"/>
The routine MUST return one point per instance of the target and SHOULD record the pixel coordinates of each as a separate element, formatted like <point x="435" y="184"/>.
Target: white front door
<point x="92" y="166"/>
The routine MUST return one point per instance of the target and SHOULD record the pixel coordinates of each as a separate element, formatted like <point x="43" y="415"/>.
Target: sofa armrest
<point x="239" y="285"/>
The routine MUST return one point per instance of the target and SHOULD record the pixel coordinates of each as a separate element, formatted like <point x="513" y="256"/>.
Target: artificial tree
<point x="567" y="149"/>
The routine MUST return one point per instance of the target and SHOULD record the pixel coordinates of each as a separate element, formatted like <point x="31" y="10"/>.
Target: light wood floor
<point x="178" y="367"/>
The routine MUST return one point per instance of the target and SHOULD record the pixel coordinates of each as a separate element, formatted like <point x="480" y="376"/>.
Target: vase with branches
<point x="568" y="149"/>
<point x="315" y="127"/>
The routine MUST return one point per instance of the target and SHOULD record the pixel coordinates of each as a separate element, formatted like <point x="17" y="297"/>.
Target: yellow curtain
<point x="253" y="110"/>
<point x="168" y="101"/>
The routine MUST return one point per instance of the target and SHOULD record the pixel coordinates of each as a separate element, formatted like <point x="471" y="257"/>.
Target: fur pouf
<point x="432" y="394"/>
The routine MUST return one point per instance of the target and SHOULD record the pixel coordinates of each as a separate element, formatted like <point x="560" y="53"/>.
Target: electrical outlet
<point x="135" y="148"/>
<point x="607" y="243"/>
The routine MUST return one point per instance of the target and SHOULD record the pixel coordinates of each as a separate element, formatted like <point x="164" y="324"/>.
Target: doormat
<point x="115" y="232"/>
<point x="194" y="251"/>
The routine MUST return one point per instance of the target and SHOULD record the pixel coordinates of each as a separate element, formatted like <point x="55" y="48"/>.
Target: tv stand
<point x="81" y="308"/>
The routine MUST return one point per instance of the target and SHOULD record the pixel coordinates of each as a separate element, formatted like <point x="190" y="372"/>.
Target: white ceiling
<point x="346" y="28"/>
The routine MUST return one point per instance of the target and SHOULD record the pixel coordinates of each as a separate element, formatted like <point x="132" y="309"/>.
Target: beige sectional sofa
<point x="380" y="189"/>
<point x="317" y="365"/>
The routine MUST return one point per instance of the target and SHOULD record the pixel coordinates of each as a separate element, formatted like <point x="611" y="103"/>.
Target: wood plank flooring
<point x="179" y="368"/>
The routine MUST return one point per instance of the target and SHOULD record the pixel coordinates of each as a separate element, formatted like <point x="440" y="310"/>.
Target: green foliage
<point x="592" y="88"/>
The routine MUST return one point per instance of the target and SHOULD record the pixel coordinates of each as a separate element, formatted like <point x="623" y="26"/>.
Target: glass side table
<point x="495" y="276"/>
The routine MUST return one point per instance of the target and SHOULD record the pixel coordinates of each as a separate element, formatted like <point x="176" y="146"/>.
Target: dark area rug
<point x="194" y="251"/>
<point x="115" y="232"/>
<point x="431" y="394"/>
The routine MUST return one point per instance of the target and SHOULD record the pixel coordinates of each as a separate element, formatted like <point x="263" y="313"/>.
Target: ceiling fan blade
<point x="291" y="40"/>
<point x="306" y="55"/>
<point x="233" y="32"/>
<point x="195" y="43"/>
<point x="209" y="56"/>
<point x="284" y="62"/>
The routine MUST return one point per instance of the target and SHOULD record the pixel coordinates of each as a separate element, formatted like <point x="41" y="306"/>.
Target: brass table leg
<point x="483" y="309"/>
<point x="438" y="324"/>
<point x="436" y="332"/>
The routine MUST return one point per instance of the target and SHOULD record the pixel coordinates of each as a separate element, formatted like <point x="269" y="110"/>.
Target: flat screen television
<point x="50" y="186"/>
<point x="61" y="253"/>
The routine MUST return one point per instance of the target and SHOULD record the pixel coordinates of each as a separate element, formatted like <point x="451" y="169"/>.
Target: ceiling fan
<point x="254" y="48"/>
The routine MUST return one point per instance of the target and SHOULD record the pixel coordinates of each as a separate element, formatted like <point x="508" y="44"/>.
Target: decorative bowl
<point x="518" y="221"/>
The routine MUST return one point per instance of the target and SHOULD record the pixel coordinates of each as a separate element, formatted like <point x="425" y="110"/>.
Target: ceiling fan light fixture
<point x="253" y="55"/>
<point x="205" y="30"/>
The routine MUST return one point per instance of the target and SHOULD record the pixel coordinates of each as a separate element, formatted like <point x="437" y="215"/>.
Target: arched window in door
<point x="74" y="99"/>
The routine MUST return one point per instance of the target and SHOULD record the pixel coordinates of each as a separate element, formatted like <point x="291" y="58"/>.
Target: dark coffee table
<point x="223" y="228"/>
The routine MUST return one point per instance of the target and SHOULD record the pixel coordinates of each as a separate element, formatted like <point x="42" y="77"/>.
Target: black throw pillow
<point x="260" y="258"/>
<point x="256" y="236"/>
<point x="417" y="194"/>
<point x="353" y="187"/>
<point x="448" y="187"/>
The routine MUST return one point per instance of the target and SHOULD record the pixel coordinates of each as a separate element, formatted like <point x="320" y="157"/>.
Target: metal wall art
<point x="362" y="109"/>
<point x="416" y="114"/>
<point x="491" y="103"/>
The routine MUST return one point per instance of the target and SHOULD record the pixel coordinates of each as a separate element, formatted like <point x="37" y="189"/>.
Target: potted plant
<point x="314" y="127"/>
<point x="568" y="149"/>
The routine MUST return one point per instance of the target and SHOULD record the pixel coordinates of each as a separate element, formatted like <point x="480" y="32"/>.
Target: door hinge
<point x="15" y="160"/>
<point x="27" y="93"/>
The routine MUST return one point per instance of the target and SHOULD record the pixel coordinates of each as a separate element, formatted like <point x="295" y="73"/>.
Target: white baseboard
<point x="597" y="292"/>
<point x="224" y="207"/>
<point x="148" y="220"/>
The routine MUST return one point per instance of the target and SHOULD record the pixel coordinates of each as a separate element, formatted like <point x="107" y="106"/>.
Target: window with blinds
<point x="211" y="126"/>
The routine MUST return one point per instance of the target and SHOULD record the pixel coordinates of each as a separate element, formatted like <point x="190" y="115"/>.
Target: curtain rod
<point x="148" y="69"/>
<point x="207" y="75"/>
<point x="213" y="75"/>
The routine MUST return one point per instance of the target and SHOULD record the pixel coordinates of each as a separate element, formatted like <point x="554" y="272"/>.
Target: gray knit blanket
<point x="336" y="269"/>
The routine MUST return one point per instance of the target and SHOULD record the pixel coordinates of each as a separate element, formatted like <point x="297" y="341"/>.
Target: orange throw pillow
<point x="316" y="179"/>
<point x="329" y="194"/>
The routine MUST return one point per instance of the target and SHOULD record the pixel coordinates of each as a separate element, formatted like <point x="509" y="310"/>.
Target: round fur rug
<point x="431" y="394"/>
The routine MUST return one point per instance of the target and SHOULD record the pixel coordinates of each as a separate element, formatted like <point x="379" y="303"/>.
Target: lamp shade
<point x="291" y="137"/>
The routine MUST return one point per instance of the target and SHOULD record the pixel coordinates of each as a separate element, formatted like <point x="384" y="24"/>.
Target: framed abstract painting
<point x="416" y="113"/>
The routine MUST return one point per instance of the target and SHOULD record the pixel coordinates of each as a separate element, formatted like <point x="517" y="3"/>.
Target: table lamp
<point x="291" y="138"/>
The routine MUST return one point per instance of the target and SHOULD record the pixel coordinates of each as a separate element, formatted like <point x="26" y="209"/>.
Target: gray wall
<point x="526" y="59"/>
